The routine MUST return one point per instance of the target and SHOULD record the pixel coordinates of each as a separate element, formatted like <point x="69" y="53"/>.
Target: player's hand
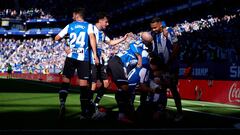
<point x="67" y="49"/>
<point x="130" y="34"/>
<point x="125" y="36"/>
<point x="139" y="65"/>
<point x="96" y="60"/>
<point x="144" y="88"/>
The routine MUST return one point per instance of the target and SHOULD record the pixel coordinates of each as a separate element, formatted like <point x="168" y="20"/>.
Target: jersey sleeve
<point x="106" y="38"/>
<point x="90" y="29"/>
<point x="172" y="36"/>
<point x="134" y="49"/>
<point x="63" y="32"/>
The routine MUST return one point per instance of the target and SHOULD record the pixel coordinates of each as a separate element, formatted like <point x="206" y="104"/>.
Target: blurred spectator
<point x="33" y="55"/>
<point x="32" y="13"/>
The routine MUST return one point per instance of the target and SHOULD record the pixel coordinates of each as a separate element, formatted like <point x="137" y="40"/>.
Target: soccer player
<point x="139" y="74"/>
<point x="78" y="57"/>
<point x="150" y="100"/>
<point x="165" y="48"/>
<point x="118" y="68"/>
<point x="100" y="71"/>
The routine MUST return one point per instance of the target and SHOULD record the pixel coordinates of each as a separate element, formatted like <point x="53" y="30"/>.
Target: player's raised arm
<point x="117" y="41"/>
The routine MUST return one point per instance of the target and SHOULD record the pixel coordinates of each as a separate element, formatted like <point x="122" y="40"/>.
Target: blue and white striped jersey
<point x="128" y="55"/>
<point x="137" y="75"/>
<point x="142" y="50"/>
<point x="101" y="39"/>
<point x="78" y="40"/>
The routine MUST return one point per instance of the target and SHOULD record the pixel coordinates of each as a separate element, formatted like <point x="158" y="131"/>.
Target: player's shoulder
<point x="132" y="45"/>
<point x="138" y="42"/>
<point x="95" y="29"/>
<point x="80" y="24"/>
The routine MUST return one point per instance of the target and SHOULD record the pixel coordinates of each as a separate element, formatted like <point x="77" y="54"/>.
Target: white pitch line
<point x="190" y="110"/>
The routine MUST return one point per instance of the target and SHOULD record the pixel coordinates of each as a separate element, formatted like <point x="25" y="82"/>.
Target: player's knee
<point x="124" y="87"/>
<point x="93" y="86"/>
<point x="106" y="84"/>
<point x="83" y="82"/>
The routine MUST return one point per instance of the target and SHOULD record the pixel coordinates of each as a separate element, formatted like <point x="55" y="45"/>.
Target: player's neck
<point x="98" y="26"/>
<point x="79" y="19"/>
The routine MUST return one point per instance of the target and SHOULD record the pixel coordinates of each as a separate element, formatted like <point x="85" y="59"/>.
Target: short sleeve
<point x="63" y="32"/>
<point x="90" y="29"/>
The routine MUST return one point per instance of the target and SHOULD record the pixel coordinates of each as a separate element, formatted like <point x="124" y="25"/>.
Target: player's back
<point x="78" y="40"/>
<point x="128" y="55"/>
<point x="141" y="50"/>
<point x="78" y="34"/>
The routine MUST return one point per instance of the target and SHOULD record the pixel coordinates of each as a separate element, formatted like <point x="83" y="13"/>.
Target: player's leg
<point x="85" y="92"/>
<point x="68" y="72"/>
<point x="176" y="97"/>
<point x="133" y="80"/>
<point x="93" y="81"/>
<point x="122" y="95"/>
<point x="103" y="76"/>
<point x="99" y="114"/>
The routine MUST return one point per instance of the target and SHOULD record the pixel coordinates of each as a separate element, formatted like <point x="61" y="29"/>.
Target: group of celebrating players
<point x="148" y="64"/>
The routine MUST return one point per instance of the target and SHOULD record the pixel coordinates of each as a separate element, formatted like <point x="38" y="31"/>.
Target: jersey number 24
<point x="77" y="39"/>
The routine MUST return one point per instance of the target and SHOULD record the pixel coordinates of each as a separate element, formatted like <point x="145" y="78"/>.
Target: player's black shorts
<point x="82" y="67"/>
<point x="117" y="70"/>
<point x="99" y="72"/>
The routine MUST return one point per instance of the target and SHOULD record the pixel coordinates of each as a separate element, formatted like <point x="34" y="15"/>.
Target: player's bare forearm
<point x="57" y="38"/>
<point x="67" y="49"/>
<point x="117" y="41"/>
<point x="139" y="57"/>
<point x="144" y="88"/>
<point x="94" y="47"/>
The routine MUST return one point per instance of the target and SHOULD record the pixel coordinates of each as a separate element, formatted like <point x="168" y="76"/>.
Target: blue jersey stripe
<point x="79" y="40"/>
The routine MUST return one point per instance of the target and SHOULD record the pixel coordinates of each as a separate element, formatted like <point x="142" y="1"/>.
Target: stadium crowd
<point x="211" y="39"/>
<point x="33" y="13"/>
<point x="32" y="55"/>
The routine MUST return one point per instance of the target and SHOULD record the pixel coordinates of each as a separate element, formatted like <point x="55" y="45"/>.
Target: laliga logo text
<point x="234" y="93"/>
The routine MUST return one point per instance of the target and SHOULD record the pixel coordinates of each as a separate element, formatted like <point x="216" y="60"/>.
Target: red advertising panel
<point x="227" y="92"/>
